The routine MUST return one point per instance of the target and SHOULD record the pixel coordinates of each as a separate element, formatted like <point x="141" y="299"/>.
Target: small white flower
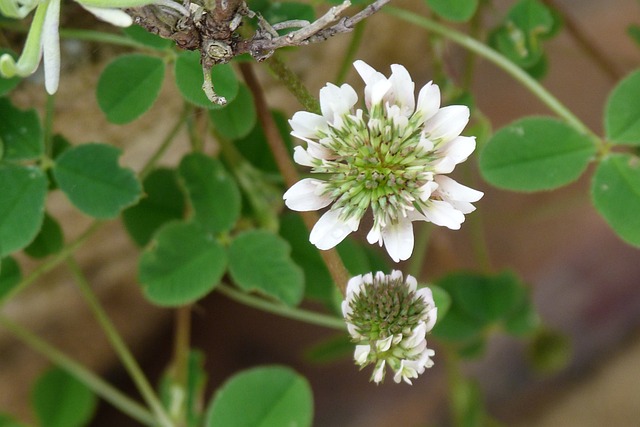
<point x="390" y="158"/>
<point x="388" y="318"/>
<point x="43" y="40"/>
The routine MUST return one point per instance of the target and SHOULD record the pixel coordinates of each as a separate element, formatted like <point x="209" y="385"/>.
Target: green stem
<point x="491" y="55"/>
<point x="166" y="143"/>
<point x="52" y="262"/>
<point x="293" y="83"/>
<point x="352" y="50"/>
<point x="91" y="380"/>
<point x="120" y="347"/>
<point x="181" y="358"/>
<point x="282" y="309"/>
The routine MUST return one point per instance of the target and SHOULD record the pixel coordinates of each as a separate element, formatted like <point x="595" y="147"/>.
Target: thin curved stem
<point x="121" y="349"/>
<point x="166" y="143"/>
<point x="282" y="309"/>
<point x="491" y="55"/>
<point x="100" y="387"/>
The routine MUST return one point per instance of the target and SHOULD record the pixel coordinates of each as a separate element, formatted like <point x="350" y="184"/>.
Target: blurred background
<point x="585" y="281"/>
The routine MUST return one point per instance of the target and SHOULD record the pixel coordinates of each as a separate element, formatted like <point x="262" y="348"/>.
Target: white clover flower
<point x="44" y="39"/>
<point x="391" y="158"/>
<point x="388" y="318"/>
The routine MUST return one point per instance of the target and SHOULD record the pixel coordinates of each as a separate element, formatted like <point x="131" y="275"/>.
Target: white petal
<point x="385" y="344"/>
<point x="51" y="47"/>
<point x="361" y="353"/>
<point x="454" y="152"/>
<point x="301" y="157"/>
<point x="428" y="101"/>
<point x="331" y="230"/>
<point x="378" y="373"/>
<point x="353" y="286"/>
<point x="427" y="189"/>
<point x="403" y="89"/>
<point x="337" y="101"/>
<point x="442" y="213"/>
<point x="305" y="195"/>
<point x="452" y="190"/>
<point x="411" y="283"/>
<point x="367" y="72"/>
<point x="113" y="16"/>
<point x="426" y="295"/>
<point x="398" y="239"/>
<point x="319" y="151"/>
<point x="378" y="91"/>
<point x="432" y="318"/>
<point x="447" y="123"/>
<point x="305" y="124"/>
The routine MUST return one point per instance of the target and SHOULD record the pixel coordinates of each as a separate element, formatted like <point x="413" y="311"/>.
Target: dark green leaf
<point x="10" y="276"/>
<point x="7" y="421"/>
<point x="23" y="190"/>
<point x="48" y="241"/>
<point x="442" y="300"/>
<point x="214" y="195"/>
<point x="20" y="133"/>
<point x="183" y="264"/>
<point x="261" y="261"/>
<point x="615" y="190"/>
<point x="454" y="10"/>
<point x="163" y="202"/>
<point x="143" y="36"/>
<point x="523" y="320"/>
<point x="270" y="396"/>
<point x="237" y="118"/>
<point x="60" y="400"/>
<point x="535" y="153"/>
<point x="331" y="349"/>
<point x="622" y="113"/>
<point x="189" y="78"/>
<point x="255" y="149"/>
<point x="284" y="11"/>
<point x="7" y="85"/>
<point x="129" y="86"/>
<point x="633" y="31"/>
<point x="91" y="178"/>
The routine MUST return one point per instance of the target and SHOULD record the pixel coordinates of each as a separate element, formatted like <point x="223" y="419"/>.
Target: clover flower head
<point x="391" y="158"/>
<point x="43" y="40"/>
<point x="388" y="319"/>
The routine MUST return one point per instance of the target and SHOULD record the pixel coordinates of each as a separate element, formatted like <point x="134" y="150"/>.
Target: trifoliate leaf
<point x="622" y="113"/>
<point x="21" y="134"/>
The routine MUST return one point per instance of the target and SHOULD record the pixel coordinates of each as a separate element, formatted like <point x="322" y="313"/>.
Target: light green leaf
<point x="7" y="85"/>
<point x="129" y="86"/>
<point x="23" y="190"/>
<point x="454" y="10"/>
<point x="535" y="153"/>
<point x="271" y="396"/>
<point x="622" y="113"/>
<point x="189" y="78"/>
<point x="60" y="400"/>
<point x="214" y="195"/>
<point x="615" y="190"/>
<point x="183" y="264"/>
<point x="91" y="178"/>
<point x="261" y="261"/>
<point x="10" y="276"/>
<point x="163" y="202"/>
<point x="48" y="241"/>
<point x="20" y="133"/>
<point x="237" y="118"/>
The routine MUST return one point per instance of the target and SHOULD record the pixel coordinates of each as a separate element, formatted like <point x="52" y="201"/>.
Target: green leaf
<point x="454" y="10"/>
<point x="260" y="261"/>
<point x="7" y="85"/>
<point x="7" y="421"/>
<point x="214" y="195"/>
<point x="523" y="320"/>
<point x="271" y="396"/>
<point x="20" y="133"/>
<point x="163" y="202"/>
<point x="154" y="41"/>
<point x="330" y="349"/>
<point x="442" y="300"/>
<point x="60" y="400"/>
<point x="91" y="178"/>
<point x="23" y="190"/>
<point x="622" y="113"/>
<point x="255" y="149"/>
<point x="189" y="78"/>
<point x="129" y="86"/>
<point x="615" y="190"/>
<point x="633" y="31"/>
<point x="10" y="276"/>
<point x="48" y="241"/>
<point x="535" y="153"/>
<point x="521" y="34"/>
<point x="237" y="118"/>
<point x="183" y="264"/>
